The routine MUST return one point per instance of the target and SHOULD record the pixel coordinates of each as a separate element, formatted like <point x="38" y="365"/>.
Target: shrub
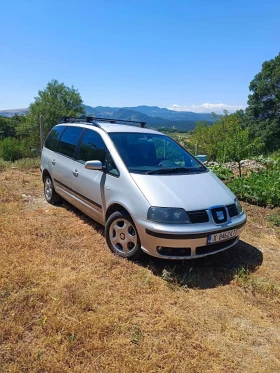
<point x="11" y="149"/>
<point x="222" y="172"/>
<point x="262" y="188"/>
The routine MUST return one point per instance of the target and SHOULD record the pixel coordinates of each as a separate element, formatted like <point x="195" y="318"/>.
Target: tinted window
<point x="53" y="137"/>
<point x="69" y="139"/>
<point x="92" y="148"/>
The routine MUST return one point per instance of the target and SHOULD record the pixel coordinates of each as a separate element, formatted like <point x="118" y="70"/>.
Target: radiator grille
<point x="232" y="210"/>
<point x="199" y="216"/>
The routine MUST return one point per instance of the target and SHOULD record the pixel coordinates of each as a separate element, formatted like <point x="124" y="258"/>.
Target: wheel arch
<point x="45" y="173"/>
<point x="115" y="207"/>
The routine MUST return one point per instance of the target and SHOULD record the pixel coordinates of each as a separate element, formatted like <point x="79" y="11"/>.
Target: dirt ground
<point x="67" y="304"/>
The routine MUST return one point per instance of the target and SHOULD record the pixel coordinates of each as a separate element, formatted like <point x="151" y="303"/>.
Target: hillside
<point x="10" y="113"/>
<point x="154" y="116"/>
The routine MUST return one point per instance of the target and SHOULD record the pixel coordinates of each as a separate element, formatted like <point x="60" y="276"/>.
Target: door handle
<point x="53" y="161"/>
<point x="75" y="173"/>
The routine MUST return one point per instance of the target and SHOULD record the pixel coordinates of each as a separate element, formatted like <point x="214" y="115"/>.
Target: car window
<point x="53" y="137"/>
<point x="153" y="153"/>
<point x="167" y="150"/>
<point x="92" y="148"/>
<point x="68" y="141"/>
<point x="111" y="166"/>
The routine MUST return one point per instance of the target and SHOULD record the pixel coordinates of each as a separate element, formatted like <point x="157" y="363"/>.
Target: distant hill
<point x="12" y="112"/>
<point x="154" y="116"/>
<point x="154" y="111"/>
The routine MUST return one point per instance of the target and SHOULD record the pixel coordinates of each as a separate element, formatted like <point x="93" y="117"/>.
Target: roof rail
<point x="73" y="119"/>
<point x="113" y="120"/>
<point x="91" y="120"/>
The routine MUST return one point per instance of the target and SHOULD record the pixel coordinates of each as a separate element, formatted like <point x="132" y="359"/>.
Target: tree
<point x="227" y="140"/>
<point x="264" y="103"/>
<point x="8" y="126"/>
<point x="53" y="103"/>
<point x="239" y="145"/>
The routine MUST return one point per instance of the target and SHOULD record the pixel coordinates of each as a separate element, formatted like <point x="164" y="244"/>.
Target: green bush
<point x="262" y="188"/>
<point x="11" y="149"/>
<point x="222" y="172"/>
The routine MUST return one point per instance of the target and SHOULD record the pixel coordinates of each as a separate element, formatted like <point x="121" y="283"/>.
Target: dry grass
<point x="68" y="305"/>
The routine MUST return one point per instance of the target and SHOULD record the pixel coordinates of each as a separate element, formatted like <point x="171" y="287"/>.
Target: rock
<point x="26" y="196"/>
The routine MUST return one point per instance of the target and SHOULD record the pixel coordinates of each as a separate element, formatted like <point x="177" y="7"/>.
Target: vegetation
<point x="274" y="218"/>
<point x="227" y="140"/>
<point x="262" y="188"/>
<point x="251" y="132"/>
<point x="222" y="172"/>
<point x="53" y="103"/>
<point x="263" y="113"/>
<point x="11" y="149"/>
<point x="22" y="164"/>
<point x="20" y="134"/>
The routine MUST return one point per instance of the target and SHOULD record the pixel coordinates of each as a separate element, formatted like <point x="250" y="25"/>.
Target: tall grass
<point x="21" y="164"/>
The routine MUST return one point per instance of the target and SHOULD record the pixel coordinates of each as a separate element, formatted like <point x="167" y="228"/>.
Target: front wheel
<point x="122" y="237"/>
<point x="49" y="191"/>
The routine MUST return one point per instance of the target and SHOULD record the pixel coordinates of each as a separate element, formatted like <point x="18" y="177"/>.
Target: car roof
<point x="112" y="127"/>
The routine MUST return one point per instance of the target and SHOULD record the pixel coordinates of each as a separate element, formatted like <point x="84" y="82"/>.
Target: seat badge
<point x="220" y="215"/>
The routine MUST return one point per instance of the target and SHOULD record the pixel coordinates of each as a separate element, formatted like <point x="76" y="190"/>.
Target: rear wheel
<point x="122" y="237"/>
<point x="49" y="191"/>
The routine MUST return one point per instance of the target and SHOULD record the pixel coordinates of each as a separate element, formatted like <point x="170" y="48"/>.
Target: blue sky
<point x="126" y="53"/>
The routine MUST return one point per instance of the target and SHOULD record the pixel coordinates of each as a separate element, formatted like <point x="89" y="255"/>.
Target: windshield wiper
<point x="174" y="170"/>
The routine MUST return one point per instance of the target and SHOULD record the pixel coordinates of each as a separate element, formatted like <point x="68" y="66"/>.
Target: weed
<point x="72" y="336"/>
<point x="136" y="335"/>
<point x="257" y="285"/>
<point x="274" y="218"/>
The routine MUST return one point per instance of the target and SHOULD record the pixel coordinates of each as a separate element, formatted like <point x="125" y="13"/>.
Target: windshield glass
<point x="154" y="154"/>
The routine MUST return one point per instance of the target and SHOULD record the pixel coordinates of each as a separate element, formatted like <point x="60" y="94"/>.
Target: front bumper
<point x="185" y="241"/>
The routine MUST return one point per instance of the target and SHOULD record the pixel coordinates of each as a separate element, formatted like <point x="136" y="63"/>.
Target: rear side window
<point x="69" y="139"/>
<point x="53" y="137"/>
<point x="92" y="148"/>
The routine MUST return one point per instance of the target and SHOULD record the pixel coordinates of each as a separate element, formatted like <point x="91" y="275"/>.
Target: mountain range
<point x="155" y="117"/>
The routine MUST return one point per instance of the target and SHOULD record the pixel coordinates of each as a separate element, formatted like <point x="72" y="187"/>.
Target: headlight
<point x="168" y="215"/>
<point x="239" y="207"/>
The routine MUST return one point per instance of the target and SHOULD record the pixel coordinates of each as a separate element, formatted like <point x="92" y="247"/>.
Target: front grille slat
<point x="199" y="216"/>
<point x="232" y="210"/>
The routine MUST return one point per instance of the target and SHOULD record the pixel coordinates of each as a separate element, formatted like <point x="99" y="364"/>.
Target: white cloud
<point x="207" y="108"/>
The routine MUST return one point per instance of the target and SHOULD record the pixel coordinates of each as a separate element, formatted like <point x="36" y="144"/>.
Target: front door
<point x="88" y="185"/>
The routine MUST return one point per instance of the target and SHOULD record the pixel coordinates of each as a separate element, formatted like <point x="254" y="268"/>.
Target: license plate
<point x="223" y="236"/>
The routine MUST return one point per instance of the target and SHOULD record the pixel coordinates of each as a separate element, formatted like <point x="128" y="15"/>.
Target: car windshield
<point x="149" y="153"/>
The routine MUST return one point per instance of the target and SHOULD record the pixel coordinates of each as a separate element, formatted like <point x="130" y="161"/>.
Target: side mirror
<point x="94" y="165"/>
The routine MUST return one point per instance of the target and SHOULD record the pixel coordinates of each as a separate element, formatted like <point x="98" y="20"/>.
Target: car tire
<point x="50" y="194"/>
<point x="122" y="236"/>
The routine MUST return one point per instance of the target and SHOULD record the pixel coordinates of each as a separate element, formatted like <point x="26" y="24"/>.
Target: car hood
<point x="190" y="191"/>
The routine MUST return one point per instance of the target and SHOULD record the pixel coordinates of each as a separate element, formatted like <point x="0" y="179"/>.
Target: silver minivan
<point x="151" y="194"/>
